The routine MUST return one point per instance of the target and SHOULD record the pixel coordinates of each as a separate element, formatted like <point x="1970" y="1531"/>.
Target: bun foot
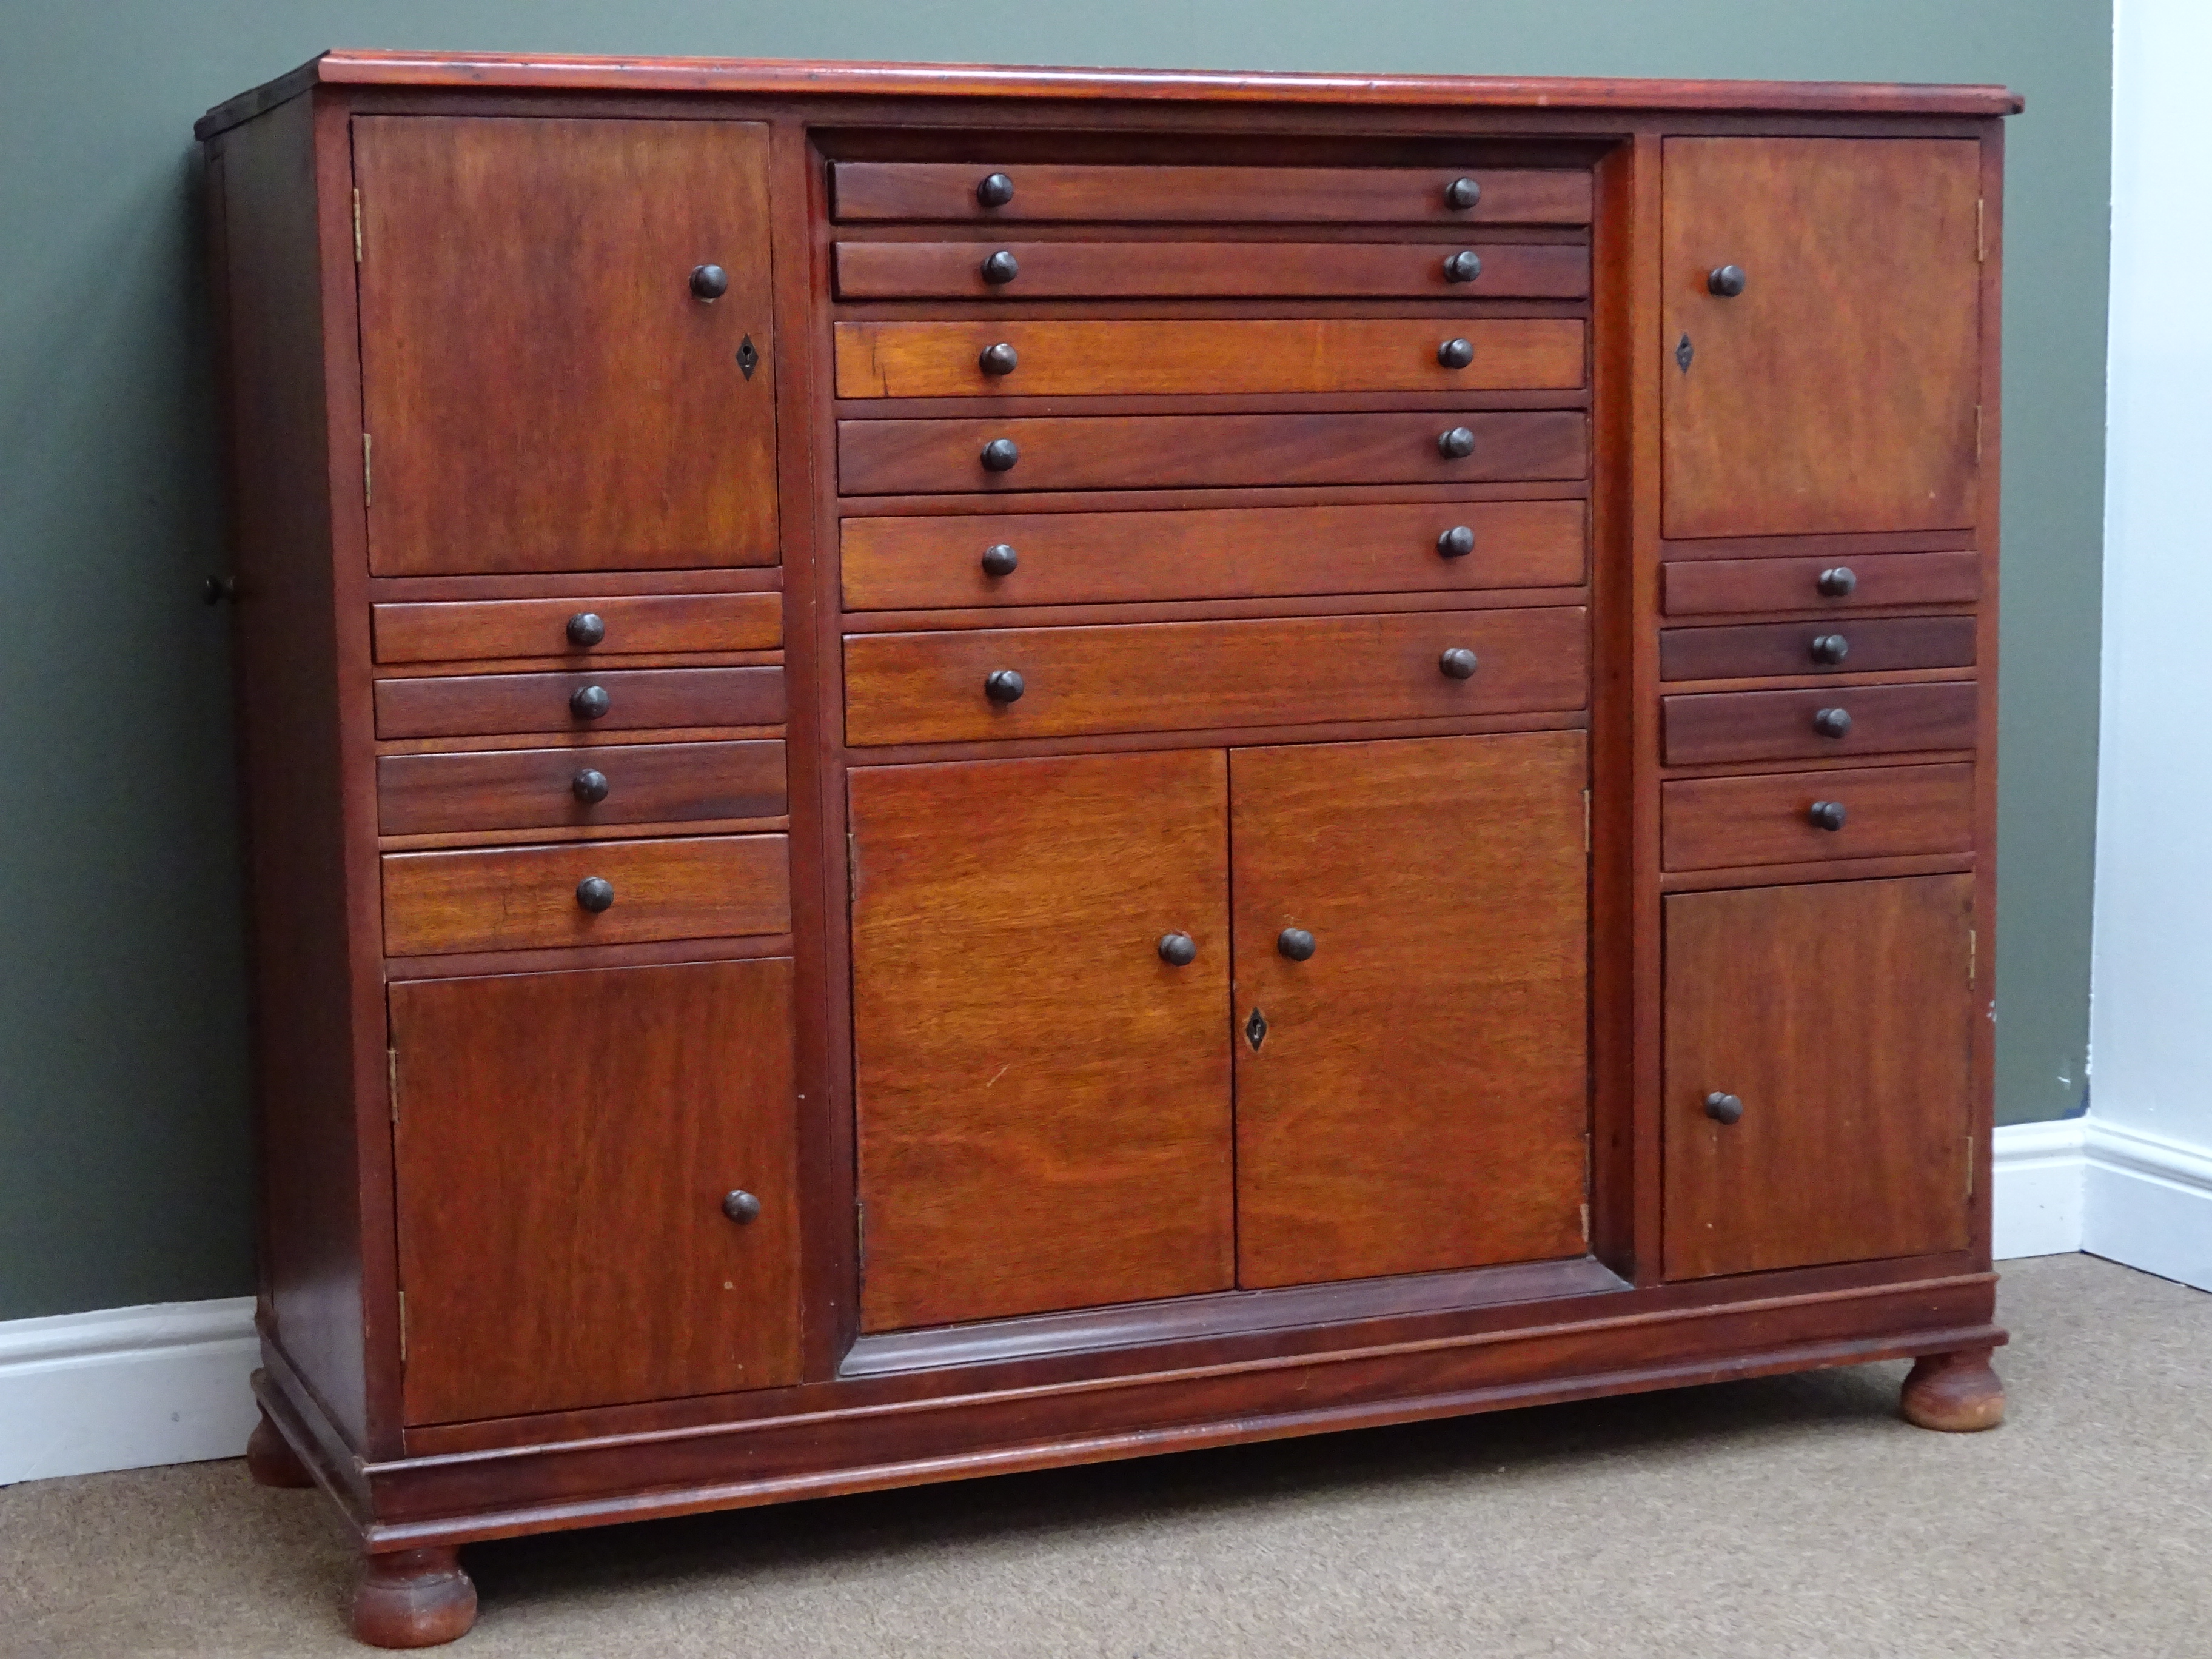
<point x="271" y="1460"/>
<point x="1957" y="1393"/>
<point x="413" y="1599"/>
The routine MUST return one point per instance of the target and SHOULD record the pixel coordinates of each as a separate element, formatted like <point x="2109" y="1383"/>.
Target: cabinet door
<point x="1419" y="1097"/>
<point x="1838" y="391"/>
<point x="564" y="1143"/>
<point x="1043" y="1098"/>
<point x="542" y="388"/>
<point x="1838" y="1014"/>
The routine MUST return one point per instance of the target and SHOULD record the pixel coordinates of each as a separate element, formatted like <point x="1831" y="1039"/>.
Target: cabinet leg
<point x="413" y="1599"/>
<point x="1955" y="1392"/>
<point x="271" y="1461"/>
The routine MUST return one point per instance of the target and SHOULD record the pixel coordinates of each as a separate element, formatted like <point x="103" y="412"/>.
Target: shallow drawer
<point x="1734" y="725"/>
<point x="517" y="898"/>
<point x="958" y="191"/>
<point x="1079" y="359"/>
<point x="1848" y="813"/>
<point x="607" y="783"/>
<point x="1200" y="271"/>
<point x="635" y="699"/>
<point x="1827" y="646"/>
<point x="1168" y="676"/>
<point x="1720" y="587"/>
<point x="1138" y="452"/>
<point x="1242" y="552"/>
<point x="453" y="631"/>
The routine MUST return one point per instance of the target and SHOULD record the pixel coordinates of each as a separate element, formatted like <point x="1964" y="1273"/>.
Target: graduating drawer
<point x="1846" y="812"/>
<point x="1166" y="676"/>
<point x="1000" y="192"/>
<point x="456" y="630"/>
<point x="1238" y="552"/>
<point x="606" y="783"/>
<point x="997" y="357"/>
<point x="1859" y="720"/>
<point x="1825" y="647"/>
<point x="1203" y="271"/>
<point x="627" y="700"/>
<point x="1139" y="452"/>
<point x="1720" y="587"/>
<point x="604" y="892"/>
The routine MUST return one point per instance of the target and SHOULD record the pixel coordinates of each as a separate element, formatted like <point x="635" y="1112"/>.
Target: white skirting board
<point x="126" y="1388"/>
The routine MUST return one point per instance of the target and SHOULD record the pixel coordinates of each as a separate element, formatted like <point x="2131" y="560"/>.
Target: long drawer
<point x="993" y="192"/>
<point x="1138" y="452"/>
<point x="997" y="357"/>
<point x="1201" y="270"/>
<point x="1743" y="726"/>
<point x="1166" y="676"/>
<point x="1721" y="587"/>
<point x="455" y="630"/>
<point x="463" y="705"/>
<point x="1846" y="812"/>
<point x="517" y="898"/>
<point x="1827" y="646"/>
<point x="607" y="783"/>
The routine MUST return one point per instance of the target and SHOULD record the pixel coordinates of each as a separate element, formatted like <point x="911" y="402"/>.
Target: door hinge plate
<point x="356" y="224"/>
<point x="367" y="478"/>
<point x="403" y="1328"/>
<point x="391" y="1082"/>
<point x="1981" y="247"/>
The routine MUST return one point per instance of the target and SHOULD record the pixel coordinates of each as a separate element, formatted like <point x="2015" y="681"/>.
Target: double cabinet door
<point x="1131" y="1026"/>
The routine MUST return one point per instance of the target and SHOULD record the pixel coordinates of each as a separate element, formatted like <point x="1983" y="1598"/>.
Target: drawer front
<point x="606" y="783"/>
<point x="1248" y="552"/>
<point x="1721" y="587"/>
<point x="1167" y="677"/>
<point x="1720" y="823"/>
<point x="953" y="191"/>
<point x="465" y="705"/>
<point x="1139" y="452"/>
<point x="1825" y="647"/>
<point x="1736" y="725"/>
<point x="1153" y="358"/>
<point x="456" y="631"/>
<point x="519" y="898"/>
<point x="1205" y="270"/>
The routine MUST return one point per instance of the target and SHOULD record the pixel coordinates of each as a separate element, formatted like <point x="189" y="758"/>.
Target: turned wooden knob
<point x="999" y="559"/>
<point x="1462" y="267"/>
<point x="1456" y="443"/>
<point x="1727" y="281"/>
<point x="1001" y="268"/>
<point x="1455" y="353"/>
<point x="586" y="628"/>
<point x="1723" y="1107"/>
<point x="1456" y="542"/>
<point x="1000" y="454"/>
<point x="1462" y="193"/>
<point x="1458" y="663"/>
<point x="1178" y="949"/>
<point x="1000" y="359"/>
<point x="995" y="190"/>
<point x="740" y="1207"/>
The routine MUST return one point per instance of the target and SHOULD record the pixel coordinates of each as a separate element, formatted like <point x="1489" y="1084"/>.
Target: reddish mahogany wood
<point x="1419" y="1099"/>
<point x="412" y="1598"/>
<point x="1210" y="451"/>
<point x="535" y="788"/>
<point x="1957" y="1393"/>
<point x="1839" y="391"/>
<point x="1714" y="824"/>
<point x="1839" y="1015"/>
<point x="270" y="1461"/>
<point x="1044" y="1100"/>
<point x="638" y="699"/>
<point x="504" y="899"/>
<point x="666" y="1089"/>
<point x="929" y="688"/>
<point x="1712" y="588"/>
<point x="1739" y="726"/>
<point x="1199" y="271"/>
<point x="1091" y="558"/>
<point x="1871" y="646"/>
<point x="538" y="628"/>
<point x="491" y="447"/>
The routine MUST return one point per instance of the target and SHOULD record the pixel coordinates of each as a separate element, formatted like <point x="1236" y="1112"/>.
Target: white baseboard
<point x="125" y="1388"/>
<point x="2147" y="1201"/>
<point x="2038" y="1186"/>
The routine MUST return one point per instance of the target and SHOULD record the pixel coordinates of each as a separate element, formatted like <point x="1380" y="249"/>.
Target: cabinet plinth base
<point x="413" y="1599"/>
<point x="1956" y="1393"/>
<point x="271" y="1461"/>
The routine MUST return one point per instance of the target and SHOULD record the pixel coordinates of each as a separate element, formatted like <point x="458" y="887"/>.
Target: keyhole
<point x="1683" y="354"/>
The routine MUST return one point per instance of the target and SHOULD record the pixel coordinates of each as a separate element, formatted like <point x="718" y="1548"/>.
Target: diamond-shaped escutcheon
<point x="1256" y="1030"/>
<point x="748" y="359"/>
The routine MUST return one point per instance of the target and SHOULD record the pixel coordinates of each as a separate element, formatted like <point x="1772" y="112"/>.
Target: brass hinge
<point x="1586" y="821"/>
<point x="861" y="1237"/>
<point x="357" y="225"/>
<point x="1970" y="1166"/>
<point x="368" y="483"/>
<point x="1586" y="1226"/>
<point x="1981" y="247"/>
<point x="391" y="1082"/>
<point x="1977" y="434"/>
<point x="403" y="1328"/>
<point x="1973" y="946"/>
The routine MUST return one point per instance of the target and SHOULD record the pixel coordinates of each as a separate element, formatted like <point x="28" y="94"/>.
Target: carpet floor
<point x="1791" y="1515"/>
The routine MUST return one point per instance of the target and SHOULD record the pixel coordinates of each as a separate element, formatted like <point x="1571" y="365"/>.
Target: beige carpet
<point x="1793" y="1516"/>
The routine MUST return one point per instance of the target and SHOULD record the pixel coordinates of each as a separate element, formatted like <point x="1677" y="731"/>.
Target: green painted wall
<point x="124" y="1155"/>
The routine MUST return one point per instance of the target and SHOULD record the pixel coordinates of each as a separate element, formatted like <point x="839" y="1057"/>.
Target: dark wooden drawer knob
<point x="1455" y="353"/>
<point x="1003" y="685"/>
<point x="1296" y="943"/>
<point x="1463" y="266"/>
<point x="1462" y="193"/>
<point x="1727" y="281"/>
<point x="1000" y="359"/>
<point x="709" y="282"/>
<point x="1826" y="815"/>
<point x="1001" y="268"/>
<point x="590" y="786"/>
<point x="1178" y="949"/>
<point x="1838" y="583"/>
<point x="1456" y="542"/>
<point x="1458" y="663"/>
<point x="996" y="190"/>
<point x="740" y="1207"/>
<point x="590" y="703"/>
<point x="1001" y="560"/>
<point x="586" y="628"/>
<point x="1832" y="722"/>
<point x="595" y="894"/>
<point x="1723" y="1109"/>
<point x="1830" y="648"/>
<point x="1000" y="454"/>
<point x="1455" y="444"/>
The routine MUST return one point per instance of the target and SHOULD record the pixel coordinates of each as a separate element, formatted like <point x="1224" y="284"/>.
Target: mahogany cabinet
<point x="955" y="769"/>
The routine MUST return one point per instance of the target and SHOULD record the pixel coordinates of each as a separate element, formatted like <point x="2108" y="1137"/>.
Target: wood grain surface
<point x="1718" y="823"/>
<point x="465" y="705"/>
<point x="1871" y="646"/>
<point x="635" y="625"/>
<point x="535" y="788"/>
<point x="1694" y="587"/>
<point x="1746" y="726"/>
